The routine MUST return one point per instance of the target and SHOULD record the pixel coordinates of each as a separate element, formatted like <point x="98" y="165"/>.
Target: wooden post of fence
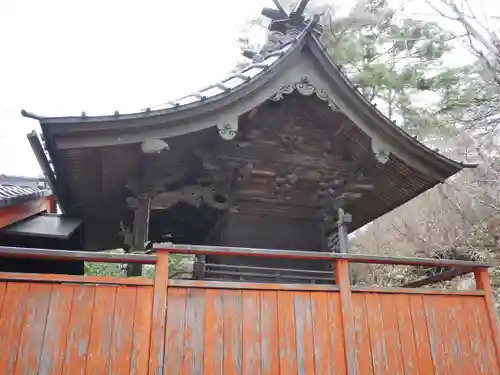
<point x="344" y="283"/>
<point x="483" y="282"/>
<point x="159" y="317"/>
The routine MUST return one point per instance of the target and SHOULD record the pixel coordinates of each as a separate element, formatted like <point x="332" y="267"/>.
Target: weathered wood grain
<point x="391" y="334"/>
<point x="193" y="332"/>
<point x="214" y="332"/>
<point x="232" y="359"/>
<point x="321" y="335"/>
<point x="122" y="331"/>
<point x="98" y="359"/>
<point x="304" y="333"/>
<point x="174" y="331"/>
<point x="269" y="333"/>
<point x="362" y="334"/>
<point x="139" y="356"/>
<point x="78" y="335"/>
<point x="33" y="329"/>
<point x="421" y="334"/>
<point x="336" y="333"/>
<point x="11" y="323"/>
<point x="54" y="343"/>
<point x="252" y="334"/>
<point x="407" y="338"/>
<point x="287" y="337"/>
<point x="92" y="329"/>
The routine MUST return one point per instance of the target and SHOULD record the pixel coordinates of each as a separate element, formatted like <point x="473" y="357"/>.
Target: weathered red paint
<point x="90" y="326"/>
<point x="12" y="214"/>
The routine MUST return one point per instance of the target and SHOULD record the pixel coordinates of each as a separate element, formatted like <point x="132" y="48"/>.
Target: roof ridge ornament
<point x="304" y="87"/>
<point x="284" y="29"/>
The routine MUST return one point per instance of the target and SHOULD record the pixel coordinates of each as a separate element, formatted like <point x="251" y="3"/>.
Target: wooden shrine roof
<point x="285" y="132"/>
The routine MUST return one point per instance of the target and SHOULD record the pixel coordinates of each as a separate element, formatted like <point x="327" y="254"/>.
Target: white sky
<point x="59" y="57"/>
<point x="62" y="57"/>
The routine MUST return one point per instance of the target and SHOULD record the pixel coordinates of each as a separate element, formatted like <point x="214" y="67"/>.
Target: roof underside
<point x="313" y="143"/>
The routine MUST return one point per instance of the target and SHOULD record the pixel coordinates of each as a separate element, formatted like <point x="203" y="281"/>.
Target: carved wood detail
<point x="304" y="87"/>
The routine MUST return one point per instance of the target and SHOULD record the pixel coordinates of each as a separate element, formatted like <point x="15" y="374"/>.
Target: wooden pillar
<point x="483" y="282"/>
<point x="159" y="317"/>
<point x="344" y="283"/>
<point x="140" y="233"/>
<point x="52" y="205"/>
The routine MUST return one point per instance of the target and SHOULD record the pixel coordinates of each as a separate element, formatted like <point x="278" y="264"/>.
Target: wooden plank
<point x="487" y="342"/>
<point x="174" y="335"/>
<point x="78" y="335"/>
<point x="33" y="331"/>
<point x="251" y="325"/>
<point x="193" y="332"/>
<point x="304" y="333"/>
<point x="376" y="329"/>
<point x="139" y="358"/>
<point x="336" y="333"/>
<point x="473" y="311"/>
<point x="362" y="335"/>
<point x="87" y="256"/>
<point x="406" y="336"/>
<point x="321" y="337"/>
<point x="231" y="302"/>
<point x="443" y="276"/>
<point x="437" y="341"/>
<point x="249" y="286"/>
<point x="456" y="333"/>
<point x="270" y="333"/>
<point x="286" y="328"/>
<point x="391" y="334"/>
<point x="158" y="320"/>
<point x="441" y="292"/>
<point x="342" y="279"/>
<point x="11" y="323"/>
<point x="287" y="254"/>
<point x="54" y="342"/>
<point x="421" y="335"/>
<point x="98" y="360"/>
<point x="122" y="331"/>
<point x="3" y="287"/>
<point x="52" y="278"/>
<point x="213" y="359"/>
<point x="483" y="282"/>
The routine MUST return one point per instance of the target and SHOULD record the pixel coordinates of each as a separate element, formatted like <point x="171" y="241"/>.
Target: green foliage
<point x="177" y="264"/>
<point x="392" y="60"/>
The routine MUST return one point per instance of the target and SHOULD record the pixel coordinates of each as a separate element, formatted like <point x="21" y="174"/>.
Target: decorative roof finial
<point x="283" y="29"/>
<point x="283" y="22"/>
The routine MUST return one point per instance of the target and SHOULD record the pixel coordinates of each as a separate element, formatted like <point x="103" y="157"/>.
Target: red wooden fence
<point x="63" y="325"/>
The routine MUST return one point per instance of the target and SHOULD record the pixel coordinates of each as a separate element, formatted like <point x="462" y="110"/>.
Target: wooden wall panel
<point x="424" y="334"/>
<point x="253" y="332"/>
<point x="91" y="329"/>
<point x="69" y="329"/>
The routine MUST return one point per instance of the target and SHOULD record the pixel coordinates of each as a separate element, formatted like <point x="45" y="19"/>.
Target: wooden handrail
<point x="94" y="256"/>
<point x="87" y="256"/>
<point x="312" y="255"/>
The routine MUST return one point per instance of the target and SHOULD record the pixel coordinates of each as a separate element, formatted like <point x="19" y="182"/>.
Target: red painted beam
<point x="17" y="212"/>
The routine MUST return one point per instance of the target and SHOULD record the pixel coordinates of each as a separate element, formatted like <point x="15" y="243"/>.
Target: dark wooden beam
<point x="44" y="164"/>
<point x="140" y="233"/>
<point x="313" y="255"/>
<point x="86" y="256"/>
<point x="443" y="276"/>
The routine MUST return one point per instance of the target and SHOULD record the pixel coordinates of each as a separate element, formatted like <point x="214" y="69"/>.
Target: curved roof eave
<point x="377" y="119"/>
<point x="210" y="98"/>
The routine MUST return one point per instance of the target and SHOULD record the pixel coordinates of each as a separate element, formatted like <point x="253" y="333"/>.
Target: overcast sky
<point x="60" y="57"/>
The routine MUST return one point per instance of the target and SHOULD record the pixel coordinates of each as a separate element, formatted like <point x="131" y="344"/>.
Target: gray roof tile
<point x="14" y="194"/>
